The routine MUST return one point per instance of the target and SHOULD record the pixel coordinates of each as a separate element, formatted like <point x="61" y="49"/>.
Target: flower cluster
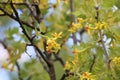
<point x="101" y="25"/>
<point x="75" y="26"/>
<point x="72" y="65"/>
<point x="98" y="26"/>
<point x="88" y="27"/>
<point x="87" y="76"/>
<point x="52" y="45"/>
<point x="67" y="65"/>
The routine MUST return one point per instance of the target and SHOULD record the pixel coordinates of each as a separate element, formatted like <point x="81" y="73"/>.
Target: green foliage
<point x="85" y="60"/>
<point x="34" y="70"/>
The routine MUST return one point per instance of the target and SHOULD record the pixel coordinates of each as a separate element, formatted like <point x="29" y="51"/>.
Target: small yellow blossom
<point x="67" y="66"/>
<point x="75" y="62"/>
<point x="80" y="20"/>
<point x="89" y="28"/>
<point x="87" y="76"/>
<point x="76" y="51"/>
<point x="91" y="20"/>
<point x="101" y="25"/>
<point x="73" y="27"/>
<point x="52" y="45"/>
<point x="57" y="35"/>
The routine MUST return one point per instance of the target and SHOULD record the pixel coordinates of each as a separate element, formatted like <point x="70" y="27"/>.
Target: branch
<point x="101" y="39"/>
<point x="42" y="62"/>
<point x="25" y="33"/>
<point x="18" y="67"/>
<point x="33" y="12"/>
<point x="67" y="74"/>
<point x="105" y="51"/>
<point x="93" y="62"/>
<point x="26" y="50"/>
<point x="15" y="18"/>
<point x="58" y="58"/>
<point x="73" y="19"/>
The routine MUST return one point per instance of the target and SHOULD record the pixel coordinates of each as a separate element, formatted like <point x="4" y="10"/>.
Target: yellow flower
<point x="89" y="28"/>
<point x="67" y="66"/>
<point x="52" y="45"/>
<point x="101" y="25"/>
<point x="73" y="27"/>
<point x="76" y="51"/>
<point x="87" y="76"/>
<point x="57" y="35"/>
<point x="80" y="20"/>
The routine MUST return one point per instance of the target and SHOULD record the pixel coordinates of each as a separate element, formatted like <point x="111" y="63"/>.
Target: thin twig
<point x="101" y="39"/>
<point x="58" y="58"/>
<point x="33" y="12"/>
<point x="19" y="74"/>
<point x="42" y="62"/>
<point x="93" y="62"/>
<point x="67" y="74"/>
<point x="27" y="52"/>
<point x="73" y="20"/>
<point x="13" y="17"/>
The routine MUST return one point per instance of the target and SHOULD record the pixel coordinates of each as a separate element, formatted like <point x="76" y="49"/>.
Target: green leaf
<point x="117" y="3"/>
<point x="108" y="3"/>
